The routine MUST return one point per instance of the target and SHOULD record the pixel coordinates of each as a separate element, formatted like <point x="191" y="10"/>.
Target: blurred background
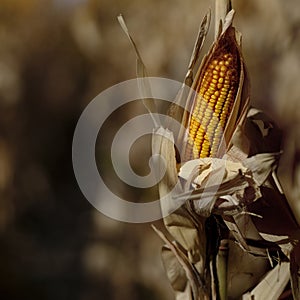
<point x="55" y="57"/>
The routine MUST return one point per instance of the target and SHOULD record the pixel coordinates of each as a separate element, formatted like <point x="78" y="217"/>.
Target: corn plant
<point x="234" y="236"/>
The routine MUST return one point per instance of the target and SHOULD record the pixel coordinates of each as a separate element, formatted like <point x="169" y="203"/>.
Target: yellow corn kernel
<point x="223" y="68"/>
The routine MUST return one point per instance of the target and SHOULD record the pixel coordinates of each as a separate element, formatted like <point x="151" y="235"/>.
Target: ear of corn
<point x="217" y="88"/>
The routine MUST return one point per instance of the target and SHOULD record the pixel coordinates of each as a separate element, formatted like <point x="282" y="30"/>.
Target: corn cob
<point x="216" y="91"/>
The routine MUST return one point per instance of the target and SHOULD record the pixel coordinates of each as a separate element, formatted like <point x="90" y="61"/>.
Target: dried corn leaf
<point x="273" y="284"/>
<point x="145" y="88"/>
<point x="174" y="270"/>
<point x="163" y="145"/>
<point x="263" y="134"/>
<point x="221" y="9"/>
<point x="203" y="29"/>
<point x="196" y="283"/>
<point x="175" y="110"/>
<point x="222" y="268"/>
<point x="244" y="270"/>
<point x="262" y="165"/>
